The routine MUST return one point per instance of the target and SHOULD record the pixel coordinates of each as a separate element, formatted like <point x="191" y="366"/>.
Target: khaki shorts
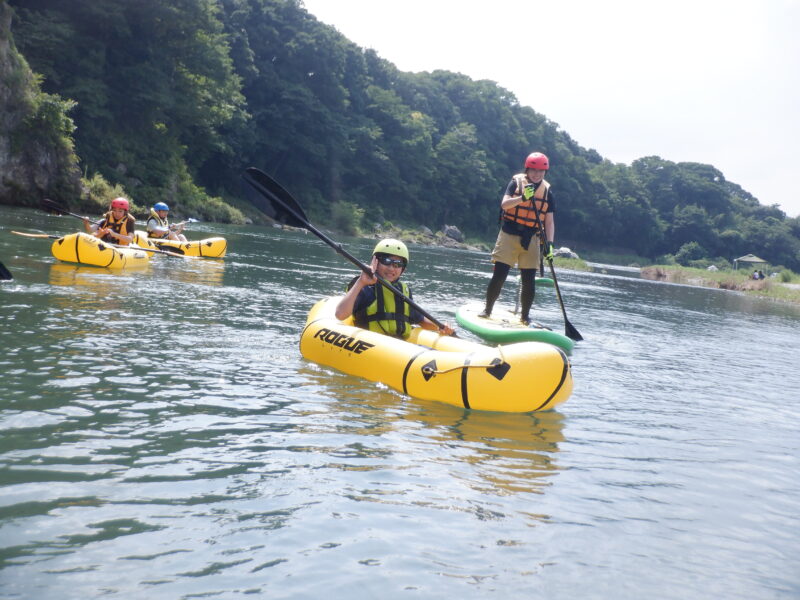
<point x="507" y="249"/>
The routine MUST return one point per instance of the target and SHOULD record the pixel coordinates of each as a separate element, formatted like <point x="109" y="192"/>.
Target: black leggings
<point x="499" y="278"/>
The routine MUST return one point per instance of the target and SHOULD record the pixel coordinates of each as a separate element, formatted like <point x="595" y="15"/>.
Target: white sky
<point x="709" y="81"/>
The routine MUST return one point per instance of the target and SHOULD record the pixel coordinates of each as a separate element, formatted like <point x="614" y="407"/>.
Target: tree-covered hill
<point x="174" y="99"/>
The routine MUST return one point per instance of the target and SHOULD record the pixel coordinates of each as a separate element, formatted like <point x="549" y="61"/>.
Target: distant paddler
<point x="116" y="226"/>
<point x="158" y="226"/>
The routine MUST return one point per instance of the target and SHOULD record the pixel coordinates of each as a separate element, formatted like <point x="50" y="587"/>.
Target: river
<point x="162" y="437"/>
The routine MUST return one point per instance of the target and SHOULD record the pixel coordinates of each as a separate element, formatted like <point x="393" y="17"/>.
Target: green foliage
<point x="174" y="99"/>
<point x="575" y="264"/>
<point x="153" y="82"/>
<point x="346" y="217"/>
<point x="99" y="193"/>
<point x="690" y="251"/>
<point x="36" y="148"/>
<point x="48" y="122"/>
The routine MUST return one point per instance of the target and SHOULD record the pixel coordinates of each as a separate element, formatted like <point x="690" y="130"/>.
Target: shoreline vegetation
<point x="784" y="287"/>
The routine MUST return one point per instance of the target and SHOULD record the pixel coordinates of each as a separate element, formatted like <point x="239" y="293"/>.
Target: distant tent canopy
<point x="748" y="259"/>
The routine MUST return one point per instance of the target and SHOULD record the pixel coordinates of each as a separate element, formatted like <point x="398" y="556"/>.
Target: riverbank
<point x="725" y="280"/>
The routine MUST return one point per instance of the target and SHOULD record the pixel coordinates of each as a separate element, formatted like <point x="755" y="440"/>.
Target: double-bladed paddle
<point x="282" y="207"/>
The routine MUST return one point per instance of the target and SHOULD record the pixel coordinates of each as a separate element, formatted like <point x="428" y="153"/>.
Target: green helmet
<point x="390" y="246"/>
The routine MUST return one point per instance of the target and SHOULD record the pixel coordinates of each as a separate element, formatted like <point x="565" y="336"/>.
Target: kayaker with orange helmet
<point x="520" y="232"/>
<point x="116" y="226"/>
<point x="378" y="309"/>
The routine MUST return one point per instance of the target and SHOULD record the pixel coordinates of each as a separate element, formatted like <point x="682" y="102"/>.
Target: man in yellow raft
<point x="158" y="226"/>
<point x="378" y="309"/>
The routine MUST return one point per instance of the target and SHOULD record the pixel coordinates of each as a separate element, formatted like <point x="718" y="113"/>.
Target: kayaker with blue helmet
<point x="378" y="309"/>
<point x="158" y="226"/>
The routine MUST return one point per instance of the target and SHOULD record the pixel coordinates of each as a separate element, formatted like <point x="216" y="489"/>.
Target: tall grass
<point x="771" y="287"/>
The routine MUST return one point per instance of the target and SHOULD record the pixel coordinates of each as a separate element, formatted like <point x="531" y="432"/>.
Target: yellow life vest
<point x="121" y="227"/>
<point x="387" y="314"/>
<point x="524" y="213"/>
<point x="160" y="222"/>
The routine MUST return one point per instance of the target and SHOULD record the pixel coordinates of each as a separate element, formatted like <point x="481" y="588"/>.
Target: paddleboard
<point x="544" y="281"/>
<point x="504" y="327"/>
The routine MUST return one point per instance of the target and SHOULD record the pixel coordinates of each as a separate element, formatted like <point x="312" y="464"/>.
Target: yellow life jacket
<point x="160" y="222"/>
<point x="524" y="213"/>
<point x="121" y="227"/>
<point x="387" y="314"/>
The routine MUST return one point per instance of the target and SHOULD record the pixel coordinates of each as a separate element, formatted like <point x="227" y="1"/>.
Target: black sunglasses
<point x="388" y="261"/>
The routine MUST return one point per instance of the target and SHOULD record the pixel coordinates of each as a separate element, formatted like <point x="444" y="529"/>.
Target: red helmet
<point x="120" y="203"/>
<point x="537" y="160"/>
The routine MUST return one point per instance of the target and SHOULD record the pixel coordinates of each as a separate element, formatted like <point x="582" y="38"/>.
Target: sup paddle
<point x="5" y="274"/>
<point x="56" y="237"/>
<point x="569" y="328"/>
<point x="282" y="207"/>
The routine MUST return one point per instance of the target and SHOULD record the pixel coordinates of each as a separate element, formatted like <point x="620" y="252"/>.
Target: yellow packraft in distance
<point x="85" y="249"/>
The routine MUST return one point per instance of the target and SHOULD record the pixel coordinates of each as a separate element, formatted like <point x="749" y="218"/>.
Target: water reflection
<point x="508" y="453"/>
<point x="195" y="271"/>
<point x="91" y="277"/>
<point x="511" y="453"/>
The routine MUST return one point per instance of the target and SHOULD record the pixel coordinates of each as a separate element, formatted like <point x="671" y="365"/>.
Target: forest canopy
<point x="173" y="100"/>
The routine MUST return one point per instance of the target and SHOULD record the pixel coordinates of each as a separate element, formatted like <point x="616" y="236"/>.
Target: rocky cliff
<point x="37" y="159"/>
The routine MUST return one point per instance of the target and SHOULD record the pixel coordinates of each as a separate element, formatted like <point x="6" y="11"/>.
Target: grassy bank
<point x="785" y="288"/>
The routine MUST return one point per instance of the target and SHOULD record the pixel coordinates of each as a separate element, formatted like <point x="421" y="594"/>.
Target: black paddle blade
<point x="274" y="201"/>
<point x="53" y="207"/>
<point x="5" y="274"/>
<point x="571" y="332"/>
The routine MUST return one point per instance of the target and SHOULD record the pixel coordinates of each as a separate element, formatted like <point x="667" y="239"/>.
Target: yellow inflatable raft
<point x="86" y="249"/>
<point x="521" y="377"/>
<point x="215" y="247"/>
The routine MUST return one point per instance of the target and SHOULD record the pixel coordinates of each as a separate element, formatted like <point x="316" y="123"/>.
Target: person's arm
<point x="417" y="318"/>
<point x="550" y="227"/>
<point x="124" y="239"/>
<point x="89" y="226"/>
<point x="153" y="227"/>
<point x="121" y="238"/>
<point x="426" y="323"/>
<point x="345" y="307"/>
<point x="510" y="200"/>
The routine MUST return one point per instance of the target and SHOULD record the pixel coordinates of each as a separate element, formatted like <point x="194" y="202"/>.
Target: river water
<point x="162" y="437"/>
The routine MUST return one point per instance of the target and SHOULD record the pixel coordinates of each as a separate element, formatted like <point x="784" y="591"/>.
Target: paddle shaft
<point x="341" y="251"/>
<point x="569" y="328"/>
<point x="37" y="235"/>
<point x="55" y="207"/>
